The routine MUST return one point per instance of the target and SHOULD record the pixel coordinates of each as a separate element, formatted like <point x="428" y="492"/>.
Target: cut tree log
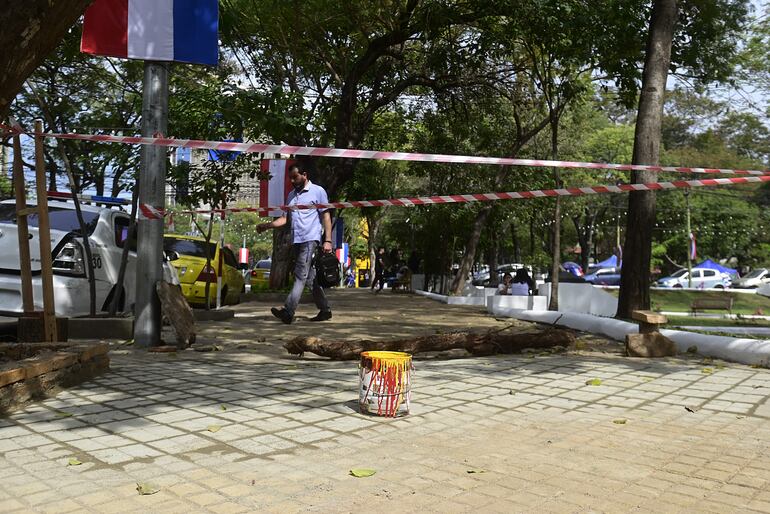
<point x="477" y="344"/>
<point x="174" y="306"/>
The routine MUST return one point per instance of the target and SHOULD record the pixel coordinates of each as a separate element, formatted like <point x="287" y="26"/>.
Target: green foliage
<point x="75" y="92"/>
<point x="6" y="188"/>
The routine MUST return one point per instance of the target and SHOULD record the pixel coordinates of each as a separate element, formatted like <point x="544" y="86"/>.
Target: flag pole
<point x="152" y="188"/>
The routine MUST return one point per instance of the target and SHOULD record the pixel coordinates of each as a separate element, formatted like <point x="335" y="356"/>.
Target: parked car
<point x="752" y="280"/>
<point x="259" y="277"/>
<point x="604" y="277"/>
<point x="188" y="256"/>
<point x="702" y="278"/>
<point x="107" y="233"/>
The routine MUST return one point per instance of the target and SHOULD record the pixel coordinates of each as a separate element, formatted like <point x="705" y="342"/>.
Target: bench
<point x="404" y="281"/>
<point x="702" y="304"/>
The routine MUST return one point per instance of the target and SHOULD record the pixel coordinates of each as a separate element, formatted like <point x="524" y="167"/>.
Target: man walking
<point x="379" y="270"/>
<point x="309" y="227"/>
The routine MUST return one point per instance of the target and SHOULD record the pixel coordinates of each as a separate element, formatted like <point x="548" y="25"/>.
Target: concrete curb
<point x="734" y="349"/>
<point x="100" y="328"/>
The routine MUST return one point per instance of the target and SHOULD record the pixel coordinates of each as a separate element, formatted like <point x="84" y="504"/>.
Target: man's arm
<point x="326" y="221"/>
<point x="278" y="222"/>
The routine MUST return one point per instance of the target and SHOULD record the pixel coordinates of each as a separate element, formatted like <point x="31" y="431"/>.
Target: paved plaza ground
<point x="514" y="433"/>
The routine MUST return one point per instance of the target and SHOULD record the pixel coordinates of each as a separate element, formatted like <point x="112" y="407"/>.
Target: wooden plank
<point x="22" y="229"/>
<point x="651" y="317"/>
<point x="44" y="227"/>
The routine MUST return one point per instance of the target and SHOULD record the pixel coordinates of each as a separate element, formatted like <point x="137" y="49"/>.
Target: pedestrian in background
<point x="379" y="270"/>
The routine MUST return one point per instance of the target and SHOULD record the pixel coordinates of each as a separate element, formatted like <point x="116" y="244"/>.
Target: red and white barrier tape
<point x="148" y="212"/>
<point x="491" y="197"/>
<point x="391" y="156"/>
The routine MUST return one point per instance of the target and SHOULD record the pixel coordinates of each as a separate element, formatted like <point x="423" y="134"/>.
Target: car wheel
<point x="720" y="286"/>
<point x="678" y="286"/>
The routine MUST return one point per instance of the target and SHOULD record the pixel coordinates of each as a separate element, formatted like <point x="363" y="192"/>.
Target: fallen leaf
<point x="214" y="428"/>
<point x="594" y="382"/>
<point x="511" y="392"/>
<point x="620" y="421"/>
<point x="690" y="409"/>
<point x="362" y="472"/>
<point x="223" y="407"/>
<point x="707" y="371"/>
<point x="146" y="488"/>
<point x="476" y="471"/>
<point x="62" y="414"/>
<point x="217" y="348"/>
<point x="707" y="360"/>
<point x="73" y="462"/>
<point x="580" y="345"/>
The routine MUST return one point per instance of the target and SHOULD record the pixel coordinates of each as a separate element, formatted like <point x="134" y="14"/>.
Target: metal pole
<point x="152" y="188"/>
<point x="689" y="238"/>
<point x="221" y="257"/>
<point x="44" y="234"/>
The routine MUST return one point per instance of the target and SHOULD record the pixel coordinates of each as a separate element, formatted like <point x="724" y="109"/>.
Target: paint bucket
<point x="385" y="383"/>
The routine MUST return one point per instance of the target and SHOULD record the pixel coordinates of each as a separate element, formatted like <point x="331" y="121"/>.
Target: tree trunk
<point x="470" y="250"/>
<point x="208" y="268"/>
<point x="553" y="304"/>
<point x="31" y="30"/>
<point x="515" y="241"/>
<point x="488" y="343"/>
<point x="532" y="237"/>
<point x="282" y="258"/>
<point x="585" y="232"/>
<point x="492" y="261"/>
<point x="635" y="273"/>
<point x="373" y="224"/>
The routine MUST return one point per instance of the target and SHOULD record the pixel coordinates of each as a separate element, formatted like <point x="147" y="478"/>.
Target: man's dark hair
<point x="297" y="167"/>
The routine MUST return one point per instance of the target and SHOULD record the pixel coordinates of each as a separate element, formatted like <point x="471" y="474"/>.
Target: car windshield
<point x="189" y="247"/>
<point x="680" y="273"/>
<point x="755" y="274"/>
<point x="60" y="219"/>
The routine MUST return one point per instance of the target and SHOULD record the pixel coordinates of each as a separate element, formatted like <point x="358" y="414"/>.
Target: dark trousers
<point x="378" y="278"/>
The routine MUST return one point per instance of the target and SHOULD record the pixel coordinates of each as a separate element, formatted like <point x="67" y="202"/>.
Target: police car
<point x="108" y="233"/>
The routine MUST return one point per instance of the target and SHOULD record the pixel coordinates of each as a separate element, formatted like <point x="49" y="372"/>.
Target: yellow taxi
<point x="260" y="275"/>
<point x="188" y="256"/>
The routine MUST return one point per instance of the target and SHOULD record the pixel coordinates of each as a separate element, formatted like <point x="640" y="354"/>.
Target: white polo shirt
<point x="306" y="223"/>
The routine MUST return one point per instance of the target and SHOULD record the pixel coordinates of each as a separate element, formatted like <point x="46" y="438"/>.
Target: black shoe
<point x="322" y="316"/>
<point x="282" y="315"/>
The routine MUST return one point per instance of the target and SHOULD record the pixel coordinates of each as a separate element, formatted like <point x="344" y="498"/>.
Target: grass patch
<point x="679" y="300"/>
<point x="701" y="321"/>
